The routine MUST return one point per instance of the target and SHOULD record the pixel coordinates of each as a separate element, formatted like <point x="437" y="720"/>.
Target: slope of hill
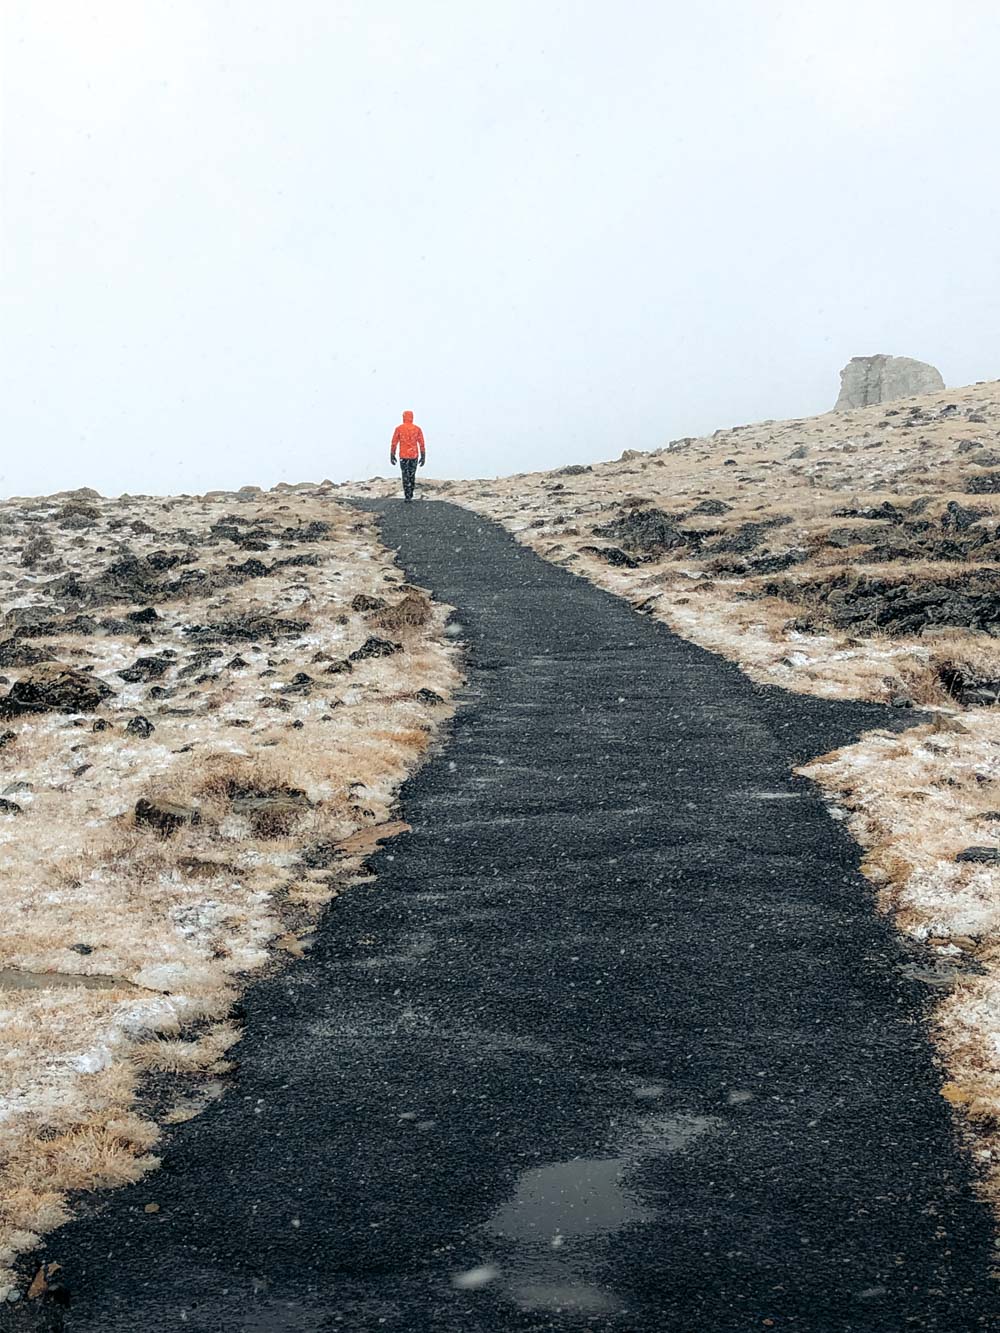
<point x="207" y="708"/>
<point x="852" y="555"/>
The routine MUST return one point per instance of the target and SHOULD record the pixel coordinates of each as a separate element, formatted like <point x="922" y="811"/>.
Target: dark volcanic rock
<point x="9" y="807"/>
<point x="362" y="602"/>
<point x="146" y="669"/>
<point x="969" y="687"/>
<point x="140" y="726"/>
<point x="959" y="517"/>
<point x="988" y="855"/>
<point x="711" y="508"/>
<point x="986" y="483"/>
<point x="308" y="532"/>
<point x="53" y="687"/>
<point x="14" y="653"/>
<point x="611" y="555"/>
<point x="648" y="532"/>
<point x="198" y="661"/>
<point x="865" y="603"/>
<point x="374" y="647"/>
<point x="246" y="628"/>
<point x="746" y="537"/>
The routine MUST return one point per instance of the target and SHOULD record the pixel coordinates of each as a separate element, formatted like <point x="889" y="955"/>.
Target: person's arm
<point x="423" y="451"/>
<point x="392" y="449"/>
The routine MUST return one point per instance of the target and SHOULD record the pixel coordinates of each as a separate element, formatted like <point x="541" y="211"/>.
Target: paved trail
<point x="617" y="1023"/>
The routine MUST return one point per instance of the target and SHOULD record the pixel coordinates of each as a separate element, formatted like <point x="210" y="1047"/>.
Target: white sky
<point x="241" y="236"/>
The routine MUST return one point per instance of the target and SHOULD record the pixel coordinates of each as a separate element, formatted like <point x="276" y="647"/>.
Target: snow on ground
<point x="122" y="945"/>
<point x="785" y="546"/>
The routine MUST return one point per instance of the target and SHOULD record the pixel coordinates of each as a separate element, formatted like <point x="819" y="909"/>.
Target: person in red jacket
<point x="409" y="440"/>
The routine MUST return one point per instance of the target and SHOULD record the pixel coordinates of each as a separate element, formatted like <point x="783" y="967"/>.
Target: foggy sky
<point x="241" y="236"/>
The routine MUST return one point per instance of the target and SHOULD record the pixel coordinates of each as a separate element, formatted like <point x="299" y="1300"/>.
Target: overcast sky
<point x="241" y="236"/>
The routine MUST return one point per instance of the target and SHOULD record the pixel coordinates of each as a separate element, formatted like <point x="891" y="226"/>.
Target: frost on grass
<point x="853" y="555"/>
<point x="917" y="801"/>
<point x="229" y="625"/>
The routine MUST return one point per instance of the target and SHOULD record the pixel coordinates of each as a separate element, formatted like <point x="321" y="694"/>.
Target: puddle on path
<point x="584" y="1197"/>
<point x="551" y="1235"/>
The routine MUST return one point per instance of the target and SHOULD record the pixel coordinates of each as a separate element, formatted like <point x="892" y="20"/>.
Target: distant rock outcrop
<point x="867" y="380"/>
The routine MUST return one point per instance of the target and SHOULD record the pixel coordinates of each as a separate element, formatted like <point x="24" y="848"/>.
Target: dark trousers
<point x="408" y="467"/>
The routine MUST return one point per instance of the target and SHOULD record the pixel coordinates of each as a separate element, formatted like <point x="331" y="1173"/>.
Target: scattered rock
<point x="17" y="653"/>
<point x="374" y="647"/>
<point x="985" y="483"/>
<point x="9" y="807"/>
<point x="140" y="726"/>
<point x="985" y="855"/>
<point x="165" y="816"/>
<point x="362" y="602"/>
<point x="272" y="814"/>
<point x="611" y="555"/>
<point x="247" y="628"/>
<point x="646" y="531"/>
<point x="573" y="470"/>
<point x="53" y="687"/>
<point x="969" y="688"/>
<point x="145" y="669"/>
<point x="428" y="697"/>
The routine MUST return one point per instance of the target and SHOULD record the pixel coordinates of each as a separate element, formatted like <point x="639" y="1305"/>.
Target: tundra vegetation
<point x="207" y="706"/>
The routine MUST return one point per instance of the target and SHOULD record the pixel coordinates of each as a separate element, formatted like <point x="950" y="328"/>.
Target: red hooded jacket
<point x="408" y="439"/>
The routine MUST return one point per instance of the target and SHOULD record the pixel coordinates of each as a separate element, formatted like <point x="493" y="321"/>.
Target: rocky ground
<point x="206" y="708"/>
<point x="850" y="555"/>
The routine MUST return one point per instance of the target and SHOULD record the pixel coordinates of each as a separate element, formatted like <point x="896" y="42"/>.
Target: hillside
<point x="207" y="708"/>
<point x="849" y="555"/>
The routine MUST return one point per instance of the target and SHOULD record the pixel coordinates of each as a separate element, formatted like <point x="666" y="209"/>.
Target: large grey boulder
<point x="867" y="380"/>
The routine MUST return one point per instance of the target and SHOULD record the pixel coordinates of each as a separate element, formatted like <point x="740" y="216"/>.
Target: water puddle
<point x="584" y="1197"/>
<point x="550" y="1237"/>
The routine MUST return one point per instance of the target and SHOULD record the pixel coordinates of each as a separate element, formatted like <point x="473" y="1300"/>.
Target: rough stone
<point x="146" y="669"/>
<point x="164" y="816"/>
<point x="979" y="854"/>
<point x="140" y="726"/>
<point x="867" y="380"/>
<point x="611" y="555"/>
<point x="374" y="647"/>
<point x="647" y="531"/>
<point x="362" y="602"/>
<point x="51" y="687"/>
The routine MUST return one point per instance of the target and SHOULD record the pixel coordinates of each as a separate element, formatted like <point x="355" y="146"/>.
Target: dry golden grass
<point x="176" y="923"/>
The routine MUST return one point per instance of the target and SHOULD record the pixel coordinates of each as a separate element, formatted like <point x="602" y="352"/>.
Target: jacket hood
<point x="408" y="417"/>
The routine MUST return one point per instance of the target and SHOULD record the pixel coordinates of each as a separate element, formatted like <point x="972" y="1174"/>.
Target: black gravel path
<point x="616" y="1040"/>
